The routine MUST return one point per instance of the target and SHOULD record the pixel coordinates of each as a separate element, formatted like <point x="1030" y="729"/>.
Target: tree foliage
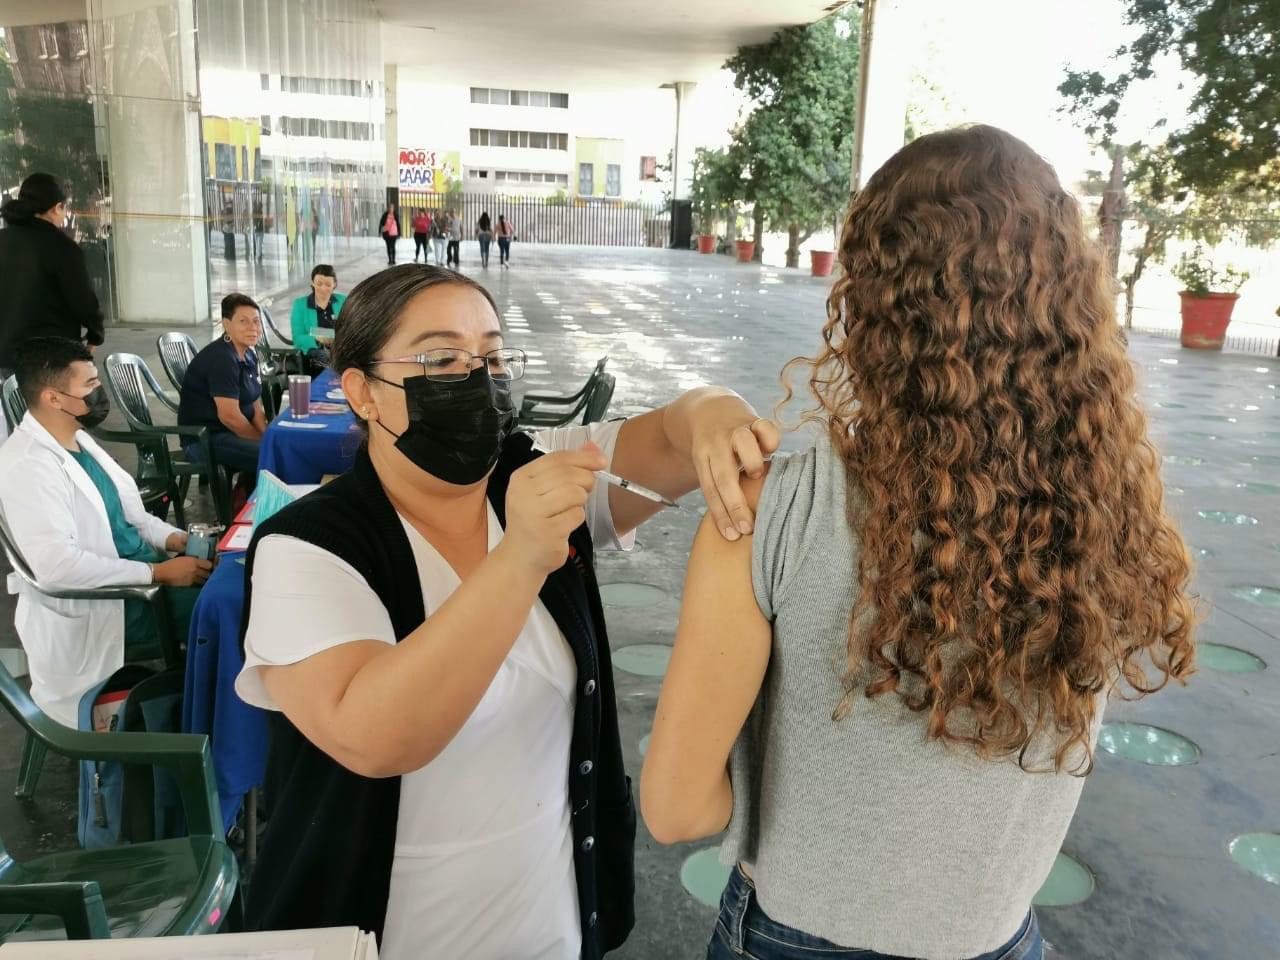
<point x="1163" y="208"/>
<point x="1232" y="47"/>
<point x="717" y="185"/>
<point x="794" y="148"/>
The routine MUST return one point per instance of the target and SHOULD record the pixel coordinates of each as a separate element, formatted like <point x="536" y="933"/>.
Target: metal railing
<point x="553" y="219"/>
<point x="1258" y="346"/>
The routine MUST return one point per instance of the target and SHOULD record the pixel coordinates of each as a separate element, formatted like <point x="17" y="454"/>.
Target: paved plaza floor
<point x="1152" y="841"/>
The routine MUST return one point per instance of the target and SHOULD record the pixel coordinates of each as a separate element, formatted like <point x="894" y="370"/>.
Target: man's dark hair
<point x="44" y="362"/>
<point x="324" y="270"/>
<point x="234" y="301"/>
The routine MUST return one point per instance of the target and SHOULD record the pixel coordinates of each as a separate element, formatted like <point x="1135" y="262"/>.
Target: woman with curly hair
<point x="890" y="693"/>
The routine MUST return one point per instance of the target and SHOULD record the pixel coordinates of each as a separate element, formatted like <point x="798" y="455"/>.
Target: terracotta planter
<point x="821" y="262"/>
<point x="1205" y="319"/>
<point x="746" y="250"/>
<point x="706" y="243"/>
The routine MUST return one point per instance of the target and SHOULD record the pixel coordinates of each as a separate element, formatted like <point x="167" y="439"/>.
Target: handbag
<point x="131" y="803"/>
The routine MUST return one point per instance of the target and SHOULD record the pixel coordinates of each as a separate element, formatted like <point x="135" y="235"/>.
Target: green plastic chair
<point x="131" y="384"/>
<point x="550" y="410"/>
<point x="181" y="887"/>
<point x="598" y="399"/>
<point x="153" y="594"/>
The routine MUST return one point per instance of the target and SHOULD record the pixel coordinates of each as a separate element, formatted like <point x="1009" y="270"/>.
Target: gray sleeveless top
<point x="864" y="832"/>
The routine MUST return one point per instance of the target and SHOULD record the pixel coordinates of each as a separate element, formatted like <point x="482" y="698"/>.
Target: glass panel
<point x="524" y="138"/>
<point x="502" y="97"/>
<point x="564" y="141"/>
<point x="479" y="94"/>
<point x="475" y="137"/>
<point x="519" y="98"/>
<point x="560" y="100"/>
<point x="539" y="98"/>
<point x="499" y="138"/>
<point x="586" y="179"/>
<point x="538" y="141"/>
<point x="613" y="180"/>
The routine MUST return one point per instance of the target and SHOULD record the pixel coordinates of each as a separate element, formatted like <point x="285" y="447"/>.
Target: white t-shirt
<point x="483" y="863"/>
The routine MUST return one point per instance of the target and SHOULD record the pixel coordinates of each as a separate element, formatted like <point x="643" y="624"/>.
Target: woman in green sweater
<point x="317" y="311"/>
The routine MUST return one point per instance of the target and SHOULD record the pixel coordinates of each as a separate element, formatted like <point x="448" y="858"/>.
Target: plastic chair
<point x="15" y="404"/>
<point x="158" y="488"/>
<point x="278" y="349"/>
<point x="181" y="887"/>
<point x="598" y="400"/>
<point x="153" y="594"/>
<point x="176" y="350"/>
<point x="549" y="410"/>
<point x="131" y="382"/>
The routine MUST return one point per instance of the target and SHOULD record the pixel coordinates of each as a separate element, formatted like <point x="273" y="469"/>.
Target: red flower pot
<point x="746" y="250"/>
<point x="706" y="243"/>
<point x="821" y="262"/>
<point x="1205" y="319"/>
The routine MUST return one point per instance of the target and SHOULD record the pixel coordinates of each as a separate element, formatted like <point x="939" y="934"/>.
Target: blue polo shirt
<point x="217" y="371"/>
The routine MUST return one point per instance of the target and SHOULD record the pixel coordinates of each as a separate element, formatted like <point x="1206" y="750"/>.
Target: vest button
<point x="587" y="844"/>
<point x="585" y="767"/>
<point x="589" y="688"/>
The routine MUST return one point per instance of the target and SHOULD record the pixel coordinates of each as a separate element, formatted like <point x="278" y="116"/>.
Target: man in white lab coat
<point x="78" y="520"/>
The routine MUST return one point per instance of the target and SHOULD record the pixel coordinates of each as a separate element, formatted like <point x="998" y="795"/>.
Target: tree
<point x="1163" y="208"/>
<point x="1232" y="47"/>
<point x="717" y="184"/>
<point x="45" y="132"/>
<point x="795" y="144"/>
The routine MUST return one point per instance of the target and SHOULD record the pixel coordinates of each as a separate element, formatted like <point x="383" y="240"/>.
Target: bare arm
<point x="259" y="417"/>
<point x="721" y="653"/>
<point x="365" y="703"/>
<point x="708" y="437"/>
<point x="230" y="416"/>
<point x="384" y="710"/>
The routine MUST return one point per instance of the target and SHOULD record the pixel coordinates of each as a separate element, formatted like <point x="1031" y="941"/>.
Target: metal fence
<point x="1260" y="346"/>
<point x="555" y="219"/>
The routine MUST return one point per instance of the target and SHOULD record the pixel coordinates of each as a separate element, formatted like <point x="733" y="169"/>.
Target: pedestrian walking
<point x="389" y="229"/>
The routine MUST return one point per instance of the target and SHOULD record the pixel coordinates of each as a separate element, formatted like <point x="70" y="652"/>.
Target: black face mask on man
<point x="456" y="428"/>
<point x="98" y="404"/>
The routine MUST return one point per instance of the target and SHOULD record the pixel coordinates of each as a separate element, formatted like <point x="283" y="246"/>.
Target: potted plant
<point x="706" y="197"/>
<point x="1208" y="297"/>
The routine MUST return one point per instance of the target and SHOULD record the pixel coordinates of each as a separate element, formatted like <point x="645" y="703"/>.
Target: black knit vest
<point x="328" y="848"/>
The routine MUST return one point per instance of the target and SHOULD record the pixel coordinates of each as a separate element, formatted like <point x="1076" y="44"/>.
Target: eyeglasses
<point x="450" y="366"/>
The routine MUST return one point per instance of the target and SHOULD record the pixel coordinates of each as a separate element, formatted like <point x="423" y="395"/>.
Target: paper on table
<point x="240" y="538"/>
<point x="300" y="424"/>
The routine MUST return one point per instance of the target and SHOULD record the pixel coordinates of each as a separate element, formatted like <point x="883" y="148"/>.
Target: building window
<point x="478" y="174"/>
<point x="519" y="139"/>
<point x="520" y="98"/>
<point x="224" y="161"/>
<point x="648" y="168"/>
<point x="586" y="179"/>
<point x="613" y="180"/>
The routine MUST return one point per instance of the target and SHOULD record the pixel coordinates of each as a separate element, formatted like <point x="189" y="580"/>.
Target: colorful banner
<point x="428" y="171"/>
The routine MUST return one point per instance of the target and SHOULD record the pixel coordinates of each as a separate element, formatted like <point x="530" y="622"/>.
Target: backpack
<point x="132" y="803"/>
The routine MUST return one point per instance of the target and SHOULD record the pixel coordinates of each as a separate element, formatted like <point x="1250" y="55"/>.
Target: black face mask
<point x="99" y="405"/>
<point x="456" y="430"/>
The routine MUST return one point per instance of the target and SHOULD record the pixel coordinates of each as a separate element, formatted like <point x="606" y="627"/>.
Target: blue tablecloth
<point x="307" y="454"/>
<point x="237" y="732"/>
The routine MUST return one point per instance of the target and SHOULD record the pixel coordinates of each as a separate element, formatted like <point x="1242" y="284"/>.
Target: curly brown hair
<point x="1016" y="560"/>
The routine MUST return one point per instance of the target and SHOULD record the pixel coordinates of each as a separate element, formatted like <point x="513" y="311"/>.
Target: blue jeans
<point x="744" y="932"/>
<point x="239" y="454"/>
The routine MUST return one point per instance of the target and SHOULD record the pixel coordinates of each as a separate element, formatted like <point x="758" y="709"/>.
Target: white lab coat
<point x="59" y="523"/>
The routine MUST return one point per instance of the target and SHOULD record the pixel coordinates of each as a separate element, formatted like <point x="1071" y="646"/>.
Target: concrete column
<point x="682" y="156"/>
<point x="881" y="119"/>
<point x="391" y="76"/>
<point x="149" y="99"/>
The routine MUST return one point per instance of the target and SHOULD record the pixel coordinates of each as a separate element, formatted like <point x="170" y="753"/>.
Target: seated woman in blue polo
<point x="316" y="312"/>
